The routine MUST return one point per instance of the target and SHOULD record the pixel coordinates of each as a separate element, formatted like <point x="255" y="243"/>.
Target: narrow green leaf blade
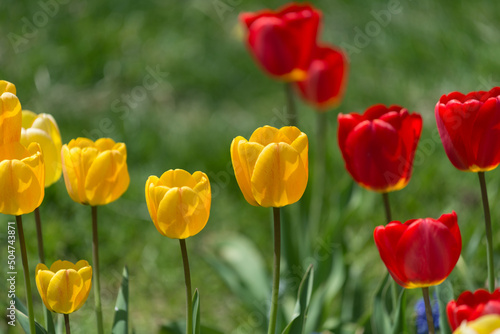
<point x="297" y="324"/>
<point x="120" y="322"/>
<point x="25" y="324"/>
<point x="399" y="316"/>
<point x="381" y="321"/>
<point x="196" y="312"/>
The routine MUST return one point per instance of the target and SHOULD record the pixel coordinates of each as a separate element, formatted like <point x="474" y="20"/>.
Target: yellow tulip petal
<point x="203" y="190"/>
<point x="243" y="156"/>
<point x="264" y="135"/>
<point x="28" y="117"/>
<point x="42" y="278"/>
<point x="81" y="264"/>
<point x="72" y="175"/>
<point x="51" y="154"/>
<point x="179" y="212"/>
<point x="86" y="273"/>
<point x="61" y="265"/>
<point x="487" y="324"/>
<point x="10" y="118"/>
<point x="105" y="144"/>
<point x="279" y="177"/>
<point x="290" y="133"/>
<point x="301" y="144"/>
<point x="177" y="178"/>
<point x="63" y="289"/>
<point x="150" y="195"/>
<point x="6" y="86"/>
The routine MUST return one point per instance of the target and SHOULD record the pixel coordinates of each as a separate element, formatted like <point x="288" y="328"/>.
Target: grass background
<point x="80" y="61"/>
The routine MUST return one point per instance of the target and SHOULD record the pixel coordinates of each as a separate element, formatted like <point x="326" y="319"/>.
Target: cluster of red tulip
<point x="379" y="145"/>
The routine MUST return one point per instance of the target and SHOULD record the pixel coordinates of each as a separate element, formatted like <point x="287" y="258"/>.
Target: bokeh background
<point x="174" y="81"/>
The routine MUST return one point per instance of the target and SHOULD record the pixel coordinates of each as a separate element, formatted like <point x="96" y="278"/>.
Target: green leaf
<point x="20" y="306"/>
<point x="297" y="325"/>
<point x="25" y="323"/>
<point x="179" y="327"/>
<point x="196" y="312"/>
<point x="381" y="321"/>
<point x="444" y="292"/>
<point x="120" y="322"/>
<point x="399" y="316"/>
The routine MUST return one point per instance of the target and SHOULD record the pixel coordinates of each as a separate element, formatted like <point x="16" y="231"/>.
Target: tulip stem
<point x="95" y="269"/>
<point x="319" y="174"/>
<point x="290" y="105"/>
<point x="489" y="239"/>
<point x="428" y="310"/>
<point x="187" y="279"/>
<point x="387" y="206"/>
<point x="66" y="321"/>
<point x="47" y="315"/>
<point x="276" y="271"/>
<point x="26" y="270"/>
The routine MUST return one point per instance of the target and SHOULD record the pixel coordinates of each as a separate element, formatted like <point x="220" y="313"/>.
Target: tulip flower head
<point x="421" y="252"/>
<point x="468" y="127"/>
<point x="95" y="173"/>
<point x="64" y="287"/>
<point x="378" y="147"/>
<point x="272" y="167"/>
<point x="22" y="178"/>
<point x="10" y="114"/>
<point x="42" y="129"/>
<point x="178" y="202"/>
<point x="487" y="324"/>
<point x="326" y="78"/>
<point x="282" y="41"/>
<point x="470" y="306"/>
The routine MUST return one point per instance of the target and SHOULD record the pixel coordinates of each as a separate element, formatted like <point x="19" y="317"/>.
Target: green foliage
<point x="120" y="322"/>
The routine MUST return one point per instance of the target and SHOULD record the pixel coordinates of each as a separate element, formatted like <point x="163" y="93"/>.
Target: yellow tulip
<point x="6" y="86"/>
<point x="64" y="287"/>
<point x="22" y="177"/>
<point x="95" y="173"/>
<point x="178" y="202"/>
<point x="42" y="129"/>
<point x="272" y="167"/>
<point x="487" y="324"/>
<point x="10" y="117"/>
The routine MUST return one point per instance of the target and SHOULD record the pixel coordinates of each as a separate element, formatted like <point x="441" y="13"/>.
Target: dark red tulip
<point x="470" y="306"/>
<point x="326" y="78"/>
<point x="282" y="41"/>
<point x="421" y="252"/>
<point x="469" y="126"/>
<point x="379" y="146"/>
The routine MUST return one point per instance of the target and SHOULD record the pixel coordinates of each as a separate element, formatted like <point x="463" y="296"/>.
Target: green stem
<point x="26" y="270"/>
<point x="489" y="238"/>
<point x="290" y="104"/>
<point x="187" y="279"/>
<point x="428" y="310"/>
<point x="276" y="272"/>
<point x="47" y="315"/>
<point x="319" y="174"/>
<point x="387" y="207"/>
<point x="66" y="321"/>
<point x="95" y="269"/>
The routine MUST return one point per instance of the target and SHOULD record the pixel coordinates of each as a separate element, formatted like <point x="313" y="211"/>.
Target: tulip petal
<point x="264" y="135"/>
<point x="279" y="177"/>
<point x="42" y="278"/>
<point x="63" y="289"/>
<point x="243" y="156"/>
<point x="177" y="178"/>
<point x="10" y="118"/>
<point x="86" y="274"/>
<point x="51" y="154"/>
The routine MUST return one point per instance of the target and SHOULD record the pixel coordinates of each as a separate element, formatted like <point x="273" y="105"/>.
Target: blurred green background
<point x="90" y="64"/>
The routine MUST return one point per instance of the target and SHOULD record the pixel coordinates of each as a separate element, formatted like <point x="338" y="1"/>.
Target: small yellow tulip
<point x="487" y="324"/>
<point x="6" y="86"/>
<point x="272" y="167"/>
<point x="10" y="117"/>
<point x="95" y="173"/>
<point x="64" y="287"/>
<point x="42" y="129"/>
<point x="178" y="202"/>
<point x="22" y="178"/>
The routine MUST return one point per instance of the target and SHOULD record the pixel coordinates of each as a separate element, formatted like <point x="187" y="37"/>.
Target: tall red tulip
<point x="326" y="78"/>
<point x="470" y="306"/>
<point x="282" y="41"/>
<point x="469" y="126"/>
<point x="379" y="146"/>
<point x="421" y="252"/>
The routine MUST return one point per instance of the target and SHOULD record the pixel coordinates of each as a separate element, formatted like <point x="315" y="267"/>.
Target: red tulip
<point x="326" y="78"/>
<point x="469" y="126"/>
<point x="421" y="252"/>
<point x="282" y="41"/>
<point x="378" y="147"/>
<point x="470" y="306"/>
